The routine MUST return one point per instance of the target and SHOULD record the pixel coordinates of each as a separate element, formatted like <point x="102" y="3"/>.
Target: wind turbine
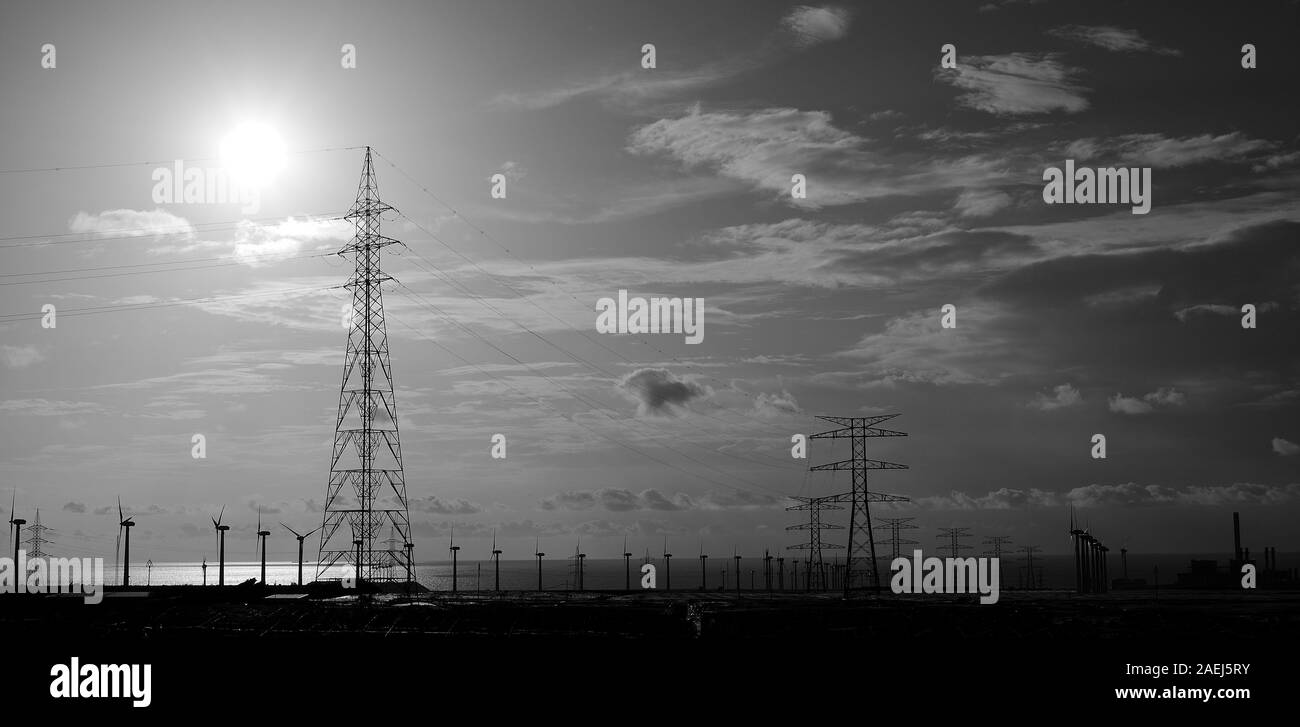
<point x="300" y="538"/>
<point x="496" y="559"/>
<point x="668" y="567"/>
<point x="221" y="546"/>
<point x="148" y="572"/>
<point x="703" y="562"/>
<point x="627" y="566"/>
<point x="261" y="542"/>
<point x="205" y="570"/>
<point x="539" y="555"/>
<point x="1077" y="540"/>
<point x="124" y="523"/>
<point x="736" y="555"/>
<point x="454" y="550"/>
<point x="15" y="522"/>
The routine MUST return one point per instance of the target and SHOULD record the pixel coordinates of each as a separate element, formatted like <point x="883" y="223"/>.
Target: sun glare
<point x="253" y="154"/>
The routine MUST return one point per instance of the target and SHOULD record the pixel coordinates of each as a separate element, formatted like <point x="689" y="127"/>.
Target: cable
<point x="162" y="270"/>
<point x="507" y="250"/>
<point x="163" y="161"/>
<point x="94" y="310"/>
<point x="188" y="227"/>
<point x="595" y="406"/>
<point x="575" y="357"/>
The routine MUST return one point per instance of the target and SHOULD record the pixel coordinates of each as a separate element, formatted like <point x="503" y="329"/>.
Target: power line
<point x="110" y="165"/>
<point x="550" y="279"/>
<point x="229" y="263"/>
<point x="94" y="310"/>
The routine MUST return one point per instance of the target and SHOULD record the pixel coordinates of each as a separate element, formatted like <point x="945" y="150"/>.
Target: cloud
<point x="130" y="223"/>
<point x="915" y="348"/>
<point x="48" y="407"/>
<point x="17" y="357"/>
<point x="621" y="500"/>
<point x="774" y="405"/>
<point x="981" y="202"/>
<point x="1111" y="38"/>
<point x="1132" y="494"/>
<point x="659" y="392"/>
<point x="1284" y="447"/>
<point x="1062" y="396"/>
<point x="1121" y="404"/>
<point x="1160" y="151"/>
<point x="77" y="507"/>
<point x="455" y="506"/>
<point x="812" y="25"/>
<point x="1005" y="498"/>
<point x="190" y="530"/>
<point x="1016" y="83"/>
<point x="766" y="147"/>
<point x="1128" y="494"/>
<point x="1224" y="310"/>
<point x="1164" y="396"/>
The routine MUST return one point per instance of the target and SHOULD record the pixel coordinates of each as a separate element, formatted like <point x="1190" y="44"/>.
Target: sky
<point x="924" y="188"/>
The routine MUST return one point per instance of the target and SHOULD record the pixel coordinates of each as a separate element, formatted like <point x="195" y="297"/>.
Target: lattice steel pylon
<point x="815" y="580"/>
<point x="896" y="527"/>
<point x="36" y="540"/>
<point x="954" y="545"/>
<point x="862" y="542"/>
<point x="367" y="484"/>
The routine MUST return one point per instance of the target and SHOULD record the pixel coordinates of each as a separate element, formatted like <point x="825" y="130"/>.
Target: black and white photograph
<point x="581" y="359"/>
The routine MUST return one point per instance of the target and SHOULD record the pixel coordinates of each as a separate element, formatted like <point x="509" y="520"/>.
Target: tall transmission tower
<point x="997" y="541"/>
<point x="367" y="484"/>
<point x="862" y="542"/>
<point x="1032" y="580"/>
<point x="36" y="540"/>
<point x="815" y="578"/>
<point x="952" y="534"/>
<point x="896" y="527"/>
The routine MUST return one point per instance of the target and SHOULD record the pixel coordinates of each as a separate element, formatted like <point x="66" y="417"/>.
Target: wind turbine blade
<point x="295" y="532"/>
<point x="309" y="532"/>
<point x="120" y="516"/>
<point x="221" y="515"/>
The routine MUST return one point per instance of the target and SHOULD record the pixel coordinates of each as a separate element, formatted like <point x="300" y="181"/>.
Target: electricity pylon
<point x="36" y="540"/>
<point x="952" y="534"/>
<point x="896" y="527"/>
<point x="862" y="543"/>
<point x="816" y="570"/>
<point x="367" y="484"/>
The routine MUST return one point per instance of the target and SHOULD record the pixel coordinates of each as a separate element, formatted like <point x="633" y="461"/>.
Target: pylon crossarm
<point x="856" y="432"/>
<point x="864" y="464"/>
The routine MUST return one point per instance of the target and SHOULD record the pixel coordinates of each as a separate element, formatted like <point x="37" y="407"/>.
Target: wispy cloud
<point x="1061" y="397"/>
<point x="1111" y="38"/>
<point x="814" y="25"/>
<point x="18" y="357"/>
<point x="1158" y="150"/>
<point x="1017" y="83"/>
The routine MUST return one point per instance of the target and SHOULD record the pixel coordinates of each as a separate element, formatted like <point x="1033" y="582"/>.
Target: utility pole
<point x="367" y="483"/>
<point x="862" y="543"/>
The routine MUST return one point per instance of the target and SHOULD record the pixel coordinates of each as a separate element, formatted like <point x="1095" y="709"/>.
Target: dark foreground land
<point x="611" y="641"/>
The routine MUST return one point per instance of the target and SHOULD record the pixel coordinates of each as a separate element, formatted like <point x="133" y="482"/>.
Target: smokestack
<point x="1236" y="536"/>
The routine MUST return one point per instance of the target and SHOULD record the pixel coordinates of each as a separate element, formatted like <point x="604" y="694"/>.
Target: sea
<point x="1051" y="572"/>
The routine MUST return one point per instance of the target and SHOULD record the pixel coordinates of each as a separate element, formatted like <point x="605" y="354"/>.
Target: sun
<point x="253" y="154"/>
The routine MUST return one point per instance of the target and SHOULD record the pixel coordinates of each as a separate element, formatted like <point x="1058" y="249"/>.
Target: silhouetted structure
<point x="367" y="482"/>
<point x="862" y="544"/>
